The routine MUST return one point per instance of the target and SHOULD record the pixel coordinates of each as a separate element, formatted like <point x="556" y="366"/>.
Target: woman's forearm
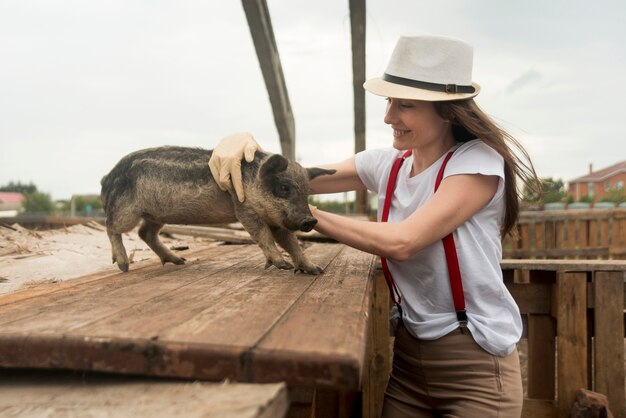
<point x="383" y="239"/>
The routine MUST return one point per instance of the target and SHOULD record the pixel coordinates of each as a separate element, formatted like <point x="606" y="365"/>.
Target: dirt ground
<point x="29" y="258"/>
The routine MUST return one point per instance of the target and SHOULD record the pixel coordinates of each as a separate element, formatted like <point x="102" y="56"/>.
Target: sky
<point x="83" y="83"/>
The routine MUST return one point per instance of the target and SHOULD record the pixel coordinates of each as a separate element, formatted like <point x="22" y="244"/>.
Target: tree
<point x="614" y="195"/>
<point x="550" y="191"/>
<point x="18" y="187"/>
<point x="38" y="202"/>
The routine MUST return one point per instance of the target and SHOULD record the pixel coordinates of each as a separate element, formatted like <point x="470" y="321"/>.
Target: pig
<point x="174" y="185"/>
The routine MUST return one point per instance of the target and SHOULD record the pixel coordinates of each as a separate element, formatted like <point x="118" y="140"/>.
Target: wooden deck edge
<point x="270" y="366"/>
<point x="121" y="356"/>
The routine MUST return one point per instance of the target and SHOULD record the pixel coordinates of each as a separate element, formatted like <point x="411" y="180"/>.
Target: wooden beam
<point x="262" y="33"/>
<point x="609" y="338"/>
<point x="357" y="25"/>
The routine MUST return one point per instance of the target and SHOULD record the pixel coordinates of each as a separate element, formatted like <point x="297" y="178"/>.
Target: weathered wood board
<point x="220" y="316"/>
<point x="60" y="394"/>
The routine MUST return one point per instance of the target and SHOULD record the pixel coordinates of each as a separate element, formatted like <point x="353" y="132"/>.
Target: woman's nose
<point x="389" y="115"/>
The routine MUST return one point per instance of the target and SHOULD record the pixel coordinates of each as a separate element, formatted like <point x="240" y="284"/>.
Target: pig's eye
<point x="284" y="190"/>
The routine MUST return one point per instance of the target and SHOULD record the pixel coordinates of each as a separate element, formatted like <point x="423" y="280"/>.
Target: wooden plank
<point x="266" y="298"/>
<point x="540" y="237"/>
<point x="194" y="321"/>
<point x="564" y="265"/>
<point x="609" y="338"/>
<point x="527" y="236"/>
<point x="303" y="336"/>
<point x="618" y="237"/>
<point x="559" y="234"/>
<point x="534" y="408"/>
<point x="379" y="350"/>
<point x="578" y="253"/>
<point x="572" y="242"/>
<point x="260" y="25"/>
<point x="531" y="297"/>
<point x="83" y="304"/>
<point x="541" y="356"/>
<point x="33" y="394"/>
<point x="572" y="360"/>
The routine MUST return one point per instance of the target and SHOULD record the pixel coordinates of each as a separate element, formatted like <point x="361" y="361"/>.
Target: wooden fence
<point x="573" y="312"/>
<point x="574" y="325"/>
<point x="573" y="234"/>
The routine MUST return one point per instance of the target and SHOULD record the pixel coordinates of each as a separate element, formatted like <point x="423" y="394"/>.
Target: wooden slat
<point x="260" y="24"/>
<point x="35" y="394"/>
<point x="572" y="357"/>
<point x="303" y="334"/>
<point x="609" y="339"/>
<point x="80" y="305"/>
<point x="564" y="265"/>
<point x="534" y="408"/>
<point x="531" y="297"/>
<point x="578" y="253"/>
<point x="207" y="319"/>
<point x="541" y="358"/>
<point x="379" y="352"/>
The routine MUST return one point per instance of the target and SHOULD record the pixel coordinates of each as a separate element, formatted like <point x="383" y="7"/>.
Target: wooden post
<point x="609" y="339"/>
<point x="378" y="352"/>
<point x="357" y="25"/>
<point x="572" y="359"/>
<point x="262" y="33"/>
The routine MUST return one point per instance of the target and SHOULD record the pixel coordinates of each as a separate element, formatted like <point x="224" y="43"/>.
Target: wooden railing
<point x="574" y="326"/>
<point x="573" y="313"/>
<point x="574" y="234"/>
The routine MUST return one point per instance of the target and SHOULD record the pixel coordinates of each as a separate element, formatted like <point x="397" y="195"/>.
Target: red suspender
<point x="393" y="175"/>
<point x="448" y="244"/>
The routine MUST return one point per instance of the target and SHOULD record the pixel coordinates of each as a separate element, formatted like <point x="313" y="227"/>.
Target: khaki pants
<point x="451" y="377"/>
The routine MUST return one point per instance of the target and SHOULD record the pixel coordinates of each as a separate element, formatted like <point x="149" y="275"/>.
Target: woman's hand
<point x="225" y="162"/>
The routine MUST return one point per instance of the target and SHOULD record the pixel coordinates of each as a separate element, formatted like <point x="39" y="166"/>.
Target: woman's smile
<point x="397" y="133"/>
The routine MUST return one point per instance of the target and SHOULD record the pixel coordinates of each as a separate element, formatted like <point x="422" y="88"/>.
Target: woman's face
<point x="416" y="123"/>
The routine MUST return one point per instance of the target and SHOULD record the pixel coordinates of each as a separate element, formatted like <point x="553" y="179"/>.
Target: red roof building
<point x="597" y="183"/>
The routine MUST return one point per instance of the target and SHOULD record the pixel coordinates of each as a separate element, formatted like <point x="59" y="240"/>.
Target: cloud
<point x="522" y="81"/>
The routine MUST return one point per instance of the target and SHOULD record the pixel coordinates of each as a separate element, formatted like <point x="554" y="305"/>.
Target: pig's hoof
<point x="176" y="260"/>
<point x="281" y="264"/>
<point x="123" y="266"/>
<point x="313" y="270"/>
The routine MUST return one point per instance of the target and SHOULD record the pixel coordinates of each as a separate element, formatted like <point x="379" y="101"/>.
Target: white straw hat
<point x="431" y="68"/>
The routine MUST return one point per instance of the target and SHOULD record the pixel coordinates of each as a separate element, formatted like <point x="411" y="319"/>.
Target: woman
<point x="457" y="325"/>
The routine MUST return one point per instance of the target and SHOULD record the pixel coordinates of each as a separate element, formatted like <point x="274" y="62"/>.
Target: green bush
<point x="38" y="202"/>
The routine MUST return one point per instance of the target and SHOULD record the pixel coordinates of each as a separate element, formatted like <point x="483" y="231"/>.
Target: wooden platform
<point x="27" y="394"/>
<point x="221" y="316"/>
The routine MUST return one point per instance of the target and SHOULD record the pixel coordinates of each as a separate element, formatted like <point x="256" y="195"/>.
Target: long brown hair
<point x="470" y="122"/>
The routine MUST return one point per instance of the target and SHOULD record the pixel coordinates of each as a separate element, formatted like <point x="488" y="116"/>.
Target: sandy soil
<point x="29" y="258"/>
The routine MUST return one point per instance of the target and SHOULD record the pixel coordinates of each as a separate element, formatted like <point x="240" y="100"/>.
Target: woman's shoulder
<point x="477" y="147"/>
<point x="378" y="155"/>
<point x="476" y="156"/>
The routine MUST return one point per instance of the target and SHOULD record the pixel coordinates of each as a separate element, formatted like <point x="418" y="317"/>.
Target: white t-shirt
<point x="423" y="281"/>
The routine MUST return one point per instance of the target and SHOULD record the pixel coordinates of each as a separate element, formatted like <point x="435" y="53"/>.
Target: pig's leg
<point x="118" y="223"/>
<point x="289" y="242"/>
<point x="262" y="235"/>
<point x="149" y="232"/>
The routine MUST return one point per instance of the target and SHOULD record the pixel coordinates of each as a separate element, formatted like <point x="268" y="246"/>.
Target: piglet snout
<point x="307" y="224"/>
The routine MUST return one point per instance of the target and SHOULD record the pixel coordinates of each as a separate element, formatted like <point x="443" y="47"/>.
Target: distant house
<point x="597" y="183"/>
<point x="10" y="203"/>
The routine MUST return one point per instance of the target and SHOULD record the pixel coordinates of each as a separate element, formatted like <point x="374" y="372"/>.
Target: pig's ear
<point x="274" y="165"/>
<point x="315" y="171"/>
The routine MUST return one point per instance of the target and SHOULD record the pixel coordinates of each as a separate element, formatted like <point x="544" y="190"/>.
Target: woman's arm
<point x="345" y="179"/>
<point x="458" y="198"/>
